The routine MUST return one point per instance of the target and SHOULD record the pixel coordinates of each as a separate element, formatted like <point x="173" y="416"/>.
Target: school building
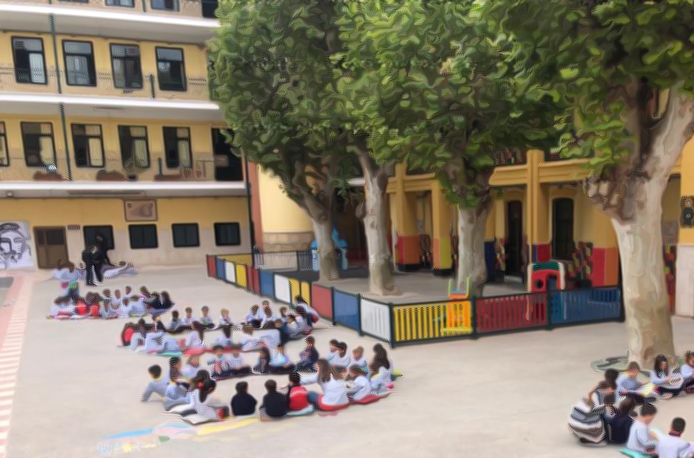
<point x="540" y="214"/>
<point x="106" y="126"/>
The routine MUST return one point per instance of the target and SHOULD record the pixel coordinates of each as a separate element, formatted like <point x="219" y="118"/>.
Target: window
<point x="226" y="234"/>
<point x="143" y="236"/>
<point x="4" y="154"/>
<point x="126" y="3"/>
<point x="88" y="145"/>
<point x="185" y="235"/>
<point x="79" y="63"/>
<point x="563" y="229"/>
<point x="39" y="150"/>
<point x="29" y="63"/>
<point x="133" y="146"/>
<point x="209" y="9"/>
<point x="125" y="60"/>
<point x="90" y="233"/>
<point x="170" y="68"/>
<point x="177" y="147"/>
<point x="166" y="5"/>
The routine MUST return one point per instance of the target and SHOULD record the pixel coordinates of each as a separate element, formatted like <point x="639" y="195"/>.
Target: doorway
<point x="514" y="242"/>
<point x="227" y="164"/>
<point x="209" y="9"/>
<point x="51" y="246"/>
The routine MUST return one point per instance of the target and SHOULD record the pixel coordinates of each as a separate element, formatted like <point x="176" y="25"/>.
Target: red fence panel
<point x="506" y="313"/>
<point x="212" y="266"/>
<point x="322" y="301"/>
<point x="254" y="280"/>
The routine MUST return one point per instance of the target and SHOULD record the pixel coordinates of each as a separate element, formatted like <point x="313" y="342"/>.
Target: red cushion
<point x="368" y="399"/>
<point x="328" y="408"/>
<point x="94" y="310"/>
<point x="81" y="309"/>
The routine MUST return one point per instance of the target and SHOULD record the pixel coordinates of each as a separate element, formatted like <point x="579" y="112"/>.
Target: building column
<point x="538" y="211"/>
<point x="404" y="225"/>
<point x="605" y="255"/>
<point x="441" y="228"/>
<point x="684" y="283"/>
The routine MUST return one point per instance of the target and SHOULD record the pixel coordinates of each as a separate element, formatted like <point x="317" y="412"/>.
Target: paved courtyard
<point x="502" y="396"/>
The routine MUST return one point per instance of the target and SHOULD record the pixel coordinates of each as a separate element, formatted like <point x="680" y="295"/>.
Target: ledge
<point x="86" y="189"/>
<point x="563" y="171"/>
<point x="509" y="175"/>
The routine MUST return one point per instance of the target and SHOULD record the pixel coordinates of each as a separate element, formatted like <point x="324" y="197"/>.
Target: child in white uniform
<point x="248" y="342"/>
<point x="224" y="320"/>
<point x="361" y="386"/>
<point x="156" y="385"/>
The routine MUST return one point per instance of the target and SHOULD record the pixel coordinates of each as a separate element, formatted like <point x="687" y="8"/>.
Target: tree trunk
<point x="634" y="202"/>
<point x="319" y="211"/>
<point x="649" y="327"/>
<point x="327" y="260"/>
<point x="471" y="260"/>
<point x="374" y="216"/>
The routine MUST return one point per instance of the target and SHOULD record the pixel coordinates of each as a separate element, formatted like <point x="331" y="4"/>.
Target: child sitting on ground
<point x="220" y="366"/>
<point x="176" y="393"/>
<point x="269" y="318"/>
<point x="187" y="321"/>
<point x="263" y="364"/>
<point x="279" y="361"/>
<point x="341" y="361"/>
<point x="297" y="395"/>
<point x="194" y="340"/>
<point x="283" y="314"/>
<point x="672" y="445"/>
<point x="236" y="363"/>
<point x="618" y="419"/>
<point x="274" y="404"/>
<point x="628" y="385"/>
<point x="225" y="339"/>
<point x="248" y="342"/>
<point x="206" y="320"/>
<point x="191" y="369"/>
<point x="361" y="386"/>
<point x="254" y="318"/>
<point x="283" y="330"/>
<point x="224" y="320"/>
<point x="332" y="354"/>
<point x="309" y="356"/>
<point x="641" y="438"/>
<point x="242" y="403"/>
<point x="359" y="360"/>
<point x="200" y="398"/>
<point x="156" y="385"/>
<point x="175" y="324"/>
<point x="667" y="384"/>
<point x="687" y="371"/>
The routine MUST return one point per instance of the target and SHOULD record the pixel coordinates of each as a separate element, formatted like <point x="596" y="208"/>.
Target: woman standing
<point x="586" y="419"/>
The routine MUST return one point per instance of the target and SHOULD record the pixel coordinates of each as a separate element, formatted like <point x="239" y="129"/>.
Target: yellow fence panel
<point x="306" y="292"/>
<point x="241" y="276"/>
<point x="294" y="288"/>
<point x="244" y="259"/>
<point x="432" y="321"/>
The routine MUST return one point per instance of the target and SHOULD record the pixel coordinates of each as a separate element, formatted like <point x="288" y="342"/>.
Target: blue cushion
<point x="633" y="454"/>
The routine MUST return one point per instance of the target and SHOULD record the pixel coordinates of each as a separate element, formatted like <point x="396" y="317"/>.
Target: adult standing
<point x="88" y="260"/>
<point x="102" y="244"/>
<point x="99" y="260"/>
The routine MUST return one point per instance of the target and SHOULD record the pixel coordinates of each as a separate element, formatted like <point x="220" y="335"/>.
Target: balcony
<point x="36" y="92"/>
<point x="181" y="21"/>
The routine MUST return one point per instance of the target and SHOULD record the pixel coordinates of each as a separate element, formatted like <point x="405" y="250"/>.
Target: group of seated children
<point x="94" y="305"/>
<point x="336" y="394"/>
<point x="190" y="386"/>
<point x="606" y="414"/>
<point x="273" y="332"/>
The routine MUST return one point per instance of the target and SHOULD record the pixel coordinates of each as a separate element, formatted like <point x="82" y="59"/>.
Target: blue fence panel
<point x="584" y="305"/>
<point x="221" y="269"/>
<point x="267" y="284"/>
<point x="346" y="308"/>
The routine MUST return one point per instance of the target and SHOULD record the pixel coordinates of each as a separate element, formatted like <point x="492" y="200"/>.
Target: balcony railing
<point x="188" y="8"/>
<point x="101" y="84"/>
<point x="511" y="157"/>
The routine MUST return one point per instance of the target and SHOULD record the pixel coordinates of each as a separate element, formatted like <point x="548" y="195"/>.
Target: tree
<point x="447" y="105"/>
<point x="264" y="60"/>
<point x="616" y="62"/>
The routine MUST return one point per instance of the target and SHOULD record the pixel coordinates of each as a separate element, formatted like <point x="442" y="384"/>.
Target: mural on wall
<point x="15" y="248"/>
<point x="582" y="266"/>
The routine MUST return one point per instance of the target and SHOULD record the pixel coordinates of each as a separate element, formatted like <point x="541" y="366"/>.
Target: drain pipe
<point x="61" y="107"/>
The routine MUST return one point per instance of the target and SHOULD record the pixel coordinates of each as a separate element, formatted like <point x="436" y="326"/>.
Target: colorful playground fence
<point x="425" y="322"/>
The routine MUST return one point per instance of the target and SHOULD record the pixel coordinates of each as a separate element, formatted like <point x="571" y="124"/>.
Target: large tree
<point x="625" y="68"/>
<point x="267" y="76"/>
<point x="444" y="105"/>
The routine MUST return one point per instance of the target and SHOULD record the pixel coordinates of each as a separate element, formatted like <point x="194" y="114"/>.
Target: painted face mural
<point x="14" y="246"/>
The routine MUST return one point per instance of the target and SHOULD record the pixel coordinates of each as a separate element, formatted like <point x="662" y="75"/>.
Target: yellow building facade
<point x="106" y="127"/>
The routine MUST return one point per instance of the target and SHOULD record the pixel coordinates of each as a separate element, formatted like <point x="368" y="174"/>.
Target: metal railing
<point x="103" y="83"/>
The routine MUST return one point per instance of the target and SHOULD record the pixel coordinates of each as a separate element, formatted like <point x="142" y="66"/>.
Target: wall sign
<point x="15" y="247"/>
<point x="140" y="210"/>
<point x="73" y="227"/>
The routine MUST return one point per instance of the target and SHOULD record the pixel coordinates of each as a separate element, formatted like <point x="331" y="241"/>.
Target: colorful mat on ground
<point x="138" y="440"/>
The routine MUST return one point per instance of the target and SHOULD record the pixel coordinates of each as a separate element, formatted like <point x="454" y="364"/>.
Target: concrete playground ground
<point x="499" y="396"/>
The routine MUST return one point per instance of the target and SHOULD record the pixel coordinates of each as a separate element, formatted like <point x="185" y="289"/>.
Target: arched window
<point x="563" y="229"/>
